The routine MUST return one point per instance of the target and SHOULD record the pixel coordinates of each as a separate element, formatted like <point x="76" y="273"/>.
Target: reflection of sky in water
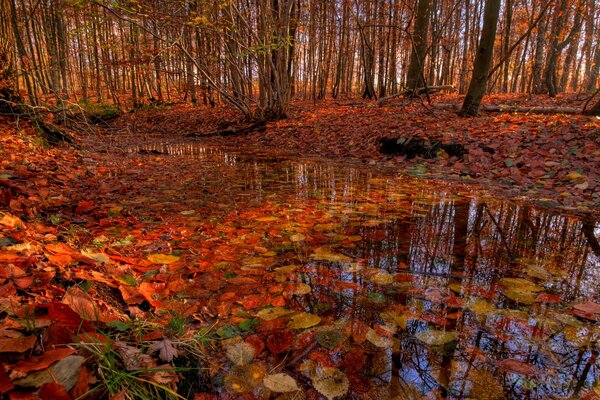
<point x="440" y="239"/>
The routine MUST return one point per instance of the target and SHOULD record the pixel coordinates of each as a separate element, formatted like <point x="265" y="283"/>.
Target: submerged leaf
<point x="272" y="313"/>
<point x="325" y="254"/>
<point x="520" y="284"/>
<point x="382" y="278"/>
<point x="303" y="321"/>
<point x="434" y="337"/>
<point x="331" y="382"/>
<point x="280" y="383"/>
<point x="379" y="340"/>
<point x="240" y="353"/>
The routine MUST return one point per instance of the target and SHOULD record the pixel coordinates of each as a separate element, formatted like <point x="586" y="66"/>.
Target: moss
<point x="98" y="112"/>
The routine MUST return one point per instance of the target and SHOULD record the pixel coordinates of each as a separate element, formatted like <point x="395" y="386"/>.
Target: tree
<point x="483" y="59"/>
<point x="595" y="110"/>
<point x="8" y="97"/>
<point x="557" y="46"/>
<point x="414" y="78"/>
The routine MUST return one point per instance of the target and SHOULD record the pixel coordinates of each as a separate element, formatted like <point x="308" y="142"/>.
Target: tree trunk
<point x="414" y="78"/>
<point x="483" y="59"/>
<point x="595" y="110"/>
<point x="556" y="46"/>
<point x="7" y="75"/>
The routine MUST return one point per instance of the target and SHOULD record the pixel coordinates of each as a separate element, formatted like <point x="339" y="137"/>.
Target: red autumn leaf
<point x="280" y="342"/>
<point x="84" y="206"/>
<point x="82" y="385"/>
<point x="130" y="295"/>
<point x="53" y="391"/>
<point x="256" y="342"/>
<point x="588" y="307"/>
<point x="60" y="312"/>
<point x="37" y="363"/>
<point x="5" y="382"/>
<point x="322" y="358"/>
<point x="252" y="302"/>
<point x="268" y="327"/>
<point x="278" y="301"/>
<point x="548" y="298"/>
<point x="17" y="345"/>
<point x="354" y="361"/>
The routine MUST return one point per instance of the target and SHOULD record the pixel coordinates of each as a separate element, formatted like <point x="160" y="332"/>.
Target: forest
<point x="299" y="199"/>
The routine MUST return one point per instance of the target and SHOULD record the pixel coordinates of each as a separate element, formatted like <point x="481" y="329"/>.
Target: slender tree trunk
<point x="414" y="77"/>
<point x="538" y="63"/>
<point x="483" y="59"/>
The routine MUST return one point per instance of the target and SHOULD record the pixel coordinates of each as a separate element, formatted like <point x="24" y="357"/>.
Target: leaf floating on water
<point x="382" y="278"/>
<point x="325" y="254"/>
<point x="520" y="284"/>
<point x="280" y="383"/>
<point x="163" y="258"/>
<point x="240" y="354"/>
<point x="434" y="337"/>
<point x="329" y="339"/>
<point x="379" y="340"/>
<point x="272" y="313"/>
<point x="481" y="307"/>
<point x="521" y="296"/>
<point x="303" y="321"/>
<point x="394" y="318"/>
<point x="331" y="382"/>
<point x="578" y="337"/>
<point x="588" y="307"/>
<point x="297" y="237"/>
<point x="301" y="289"/>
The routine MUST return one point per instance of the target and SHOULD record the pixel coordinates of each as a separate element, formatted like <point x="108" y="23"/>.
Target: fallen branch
<point x="515" y="109"/>
<point x="232" y="131"/>
<point x="416" y="92"/>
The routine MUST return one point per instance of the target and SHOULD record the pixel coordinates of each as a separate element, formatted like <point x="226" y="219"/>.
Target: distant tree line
<point x="258" y="54"/>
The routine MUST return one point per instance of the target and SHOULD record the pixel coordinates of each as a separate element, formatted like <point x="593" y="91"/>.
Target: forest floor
<point x="85" y="255"/>
<point x="553" y="159"/>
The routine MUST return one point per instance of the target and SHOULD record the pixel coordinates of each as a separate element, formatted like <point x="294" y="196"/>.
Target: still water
<point x="357" y="283"/>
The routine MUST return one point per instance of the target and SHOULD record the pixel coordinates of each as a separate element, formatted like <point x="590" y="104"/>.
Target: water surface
<point x="410" y="287"/>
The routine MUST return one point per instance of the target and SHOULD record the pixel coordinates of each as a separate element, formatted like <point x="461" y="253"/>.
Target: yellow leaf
<point x="303" y="321"/>
<point x="271" y="313"/>
<point x="163" y="258"/>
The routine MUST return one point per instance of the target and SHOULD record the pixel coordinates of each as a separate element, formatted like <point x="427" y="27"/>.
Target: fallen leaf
<point x="280" y="383"/>
<point x="163" y="258"/>
<point x="241" y="353"/>
<point x="17" y="345"/>
<point x="303" y="321"/>
<point x="434" y="337"/>
<point x="166" y="350"/>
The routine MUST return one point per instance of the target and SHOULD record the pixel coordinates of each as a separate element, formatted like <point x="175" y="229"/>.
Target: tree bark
<point x="483" y="59"/>
<point x="595" y="110"/>
<point x="414" y="77"/>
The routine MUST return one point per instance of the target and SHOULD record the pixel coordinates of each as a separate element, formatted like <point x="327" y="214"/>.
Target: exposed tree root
<point x="415" y="93"/>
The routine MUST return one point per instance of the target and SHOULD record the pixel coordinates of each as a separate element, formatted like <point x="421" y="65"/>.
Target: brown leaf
<point x="17" y="345"/>
<point x="166" y="350"/>
<point x="40" y="362"/>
